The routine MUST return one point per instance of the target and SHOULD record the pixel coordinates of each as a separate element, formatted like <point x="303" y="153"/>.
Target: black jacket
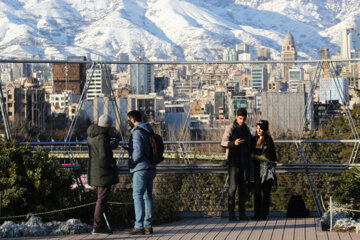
<point x="102" y="166"/>
<point x="268" y="151"/>
<point x="235" y="154"/>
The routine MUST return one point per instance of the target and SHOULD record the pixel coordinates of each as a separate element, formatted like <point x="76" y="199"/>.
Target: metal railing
<point x="207" y="167"/>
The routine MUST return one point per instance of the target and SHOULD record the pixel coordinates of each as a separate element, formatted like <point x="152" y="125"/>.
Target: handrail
<point x="202" y="142"/>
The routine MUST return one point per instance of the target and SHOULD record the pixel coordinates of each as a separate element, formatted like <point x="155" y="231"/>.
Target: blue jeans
<point x="143" y="199"/>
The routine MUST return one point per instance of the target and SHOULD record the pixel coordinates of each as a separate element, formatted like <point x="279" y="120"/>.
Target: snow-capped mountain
<point x="169" y="29"/>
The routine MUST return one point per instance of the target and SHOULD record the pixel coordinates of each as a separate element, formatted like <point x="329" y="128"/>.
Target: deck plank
<point x="211" y="227"/>
<point x="344" y="236"/>
<point x="289" y="228"/>
<point x="279" y="229"/>
<point x="183" y="229"/>
<point x="237" y="230"/>
<point x="355" y="236"/>
<point x="333" y="236"/>
<point x="299" y="229"/>
<point x="229" y="226"/>
<point x="198" y="229"/>
<point x="217" y="229"/>
<point x="257" y="230"/>
<point x="269" y="229"/>
<point x="221" y="228"/>
<point x="310" y="229"/>
<point x="247" y="230"/>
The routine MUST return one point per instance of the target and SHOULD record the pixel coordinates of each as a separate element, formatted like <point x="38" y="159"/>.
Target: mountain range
<point x="169" y="29"/>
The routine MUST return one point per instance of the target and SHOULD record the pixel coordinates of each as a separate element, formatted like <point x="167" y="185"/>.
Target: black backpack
<point x="156" y="147"/>
<point x="296" y="207"/>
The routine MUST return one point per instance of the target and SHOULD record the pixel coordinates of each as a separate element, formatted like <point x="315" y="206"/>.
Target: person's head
<point x="241" y="115"/>
<point x="262" y="127"/>
<point x="105" y="121"/>
<point x="134" y="117"/>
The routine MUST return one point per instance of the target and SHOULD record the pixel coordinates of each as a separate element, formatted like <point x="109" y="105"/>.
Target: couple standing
<point x="251" y="161"/>
<point x="102" y="171"/>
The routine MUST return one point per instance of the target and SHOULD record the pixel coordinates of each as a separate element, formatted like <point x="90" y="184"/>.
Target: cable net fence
<point x="195" y="180"/>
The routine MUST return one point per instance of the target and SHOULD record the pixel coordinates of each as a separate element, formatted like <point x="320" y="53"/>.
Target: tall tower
<point x="288" y="53"/>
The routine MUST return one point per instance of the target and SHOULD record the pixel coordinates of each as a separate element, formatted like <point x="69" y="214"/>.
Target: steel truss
<point x="306" y="167"/>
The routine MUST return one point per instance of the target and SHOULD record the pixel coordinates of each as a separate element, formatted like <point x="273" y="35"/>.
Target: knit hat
<point x="105" y="121"/>
<point x="263" y="124"/>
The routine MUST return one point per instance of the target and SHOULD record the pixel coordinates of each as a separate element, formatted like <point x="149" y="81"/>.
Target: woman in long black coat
<point x="264" y="157"/>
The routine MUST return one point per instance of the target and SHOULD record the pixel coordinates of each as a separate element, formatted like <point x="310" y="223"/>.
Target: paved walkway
<point x="221" y="228"/>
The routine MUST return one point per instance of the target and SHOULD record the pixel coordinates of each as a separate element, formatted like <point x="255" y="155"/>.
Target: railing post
<point x="330" y="214"/>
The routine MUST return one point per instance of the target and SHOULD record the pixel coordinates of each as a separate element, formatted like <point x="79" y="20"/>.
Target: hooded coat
<point x="102" y="166"/>
<point x="139" y="148"/>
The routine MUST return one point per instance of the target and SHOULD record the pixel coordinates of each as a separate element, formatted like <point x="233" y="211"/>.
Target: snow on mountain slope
<point x="169" y="29"/>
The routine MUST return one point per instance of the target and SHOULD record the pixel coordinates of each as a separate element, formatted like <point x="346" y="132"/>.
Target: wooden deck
<point x="221" y="228"/>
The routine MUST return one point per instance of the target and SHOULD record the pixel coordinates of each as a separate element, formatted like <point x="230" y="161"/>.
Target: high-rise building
<point x="288" y="53"/>
<point x="161" y="83"/>
<point x="263" y="54"/>
<point x="142" y="78"/>
<point x="334" y="90"/>
<point x="60" y="102"/>
<point x="295" y="76"/>
<point x="259" y="77"/>
<point x="220" y="106"/>
<point x="237" y="76"/>
<point x="286" y="110"/>
<point x="99" y="85"/>
<point x="20" y="70"/>
<point x="350" y="43"/>
<point x="26" y="102"/>
<point x="244" y="56"/>
<point x="123" y="57"/>
<point x="229" y="54"/>
<point x="69" y="76"/>
<point x="6" y="76"/>
<point x="150" y="106"/>
<point x="242" y="48"/>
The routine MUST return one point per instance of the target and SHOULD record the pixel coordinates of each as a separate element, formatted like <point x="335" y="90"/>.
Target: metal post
<point x="331" y="214"/>
<point x="310" y="179"/>
<point x="219" y="206"/>
<point x="5" y="115"/>
<point x="107" y="223"/>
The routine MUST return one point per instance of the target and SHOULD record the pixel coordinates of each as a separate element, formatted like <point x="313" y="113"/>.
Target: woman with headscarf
<point x="264" y="157"/>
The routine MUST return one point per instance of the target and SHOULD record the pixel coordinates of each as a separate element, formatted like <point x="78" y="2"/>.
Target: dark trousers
<point x="237" y="180"/>
<point x="103" y="194"/>
<point x="262" y="197"/>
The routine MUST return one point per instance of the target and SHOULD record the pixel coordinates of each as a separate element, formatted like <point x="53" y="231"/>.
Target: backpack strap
<point x="143" y="130"/>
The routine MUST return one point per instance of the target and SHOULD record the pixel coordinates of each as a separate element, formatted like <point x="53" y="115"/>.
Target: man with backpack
<point x="144" y="172"/>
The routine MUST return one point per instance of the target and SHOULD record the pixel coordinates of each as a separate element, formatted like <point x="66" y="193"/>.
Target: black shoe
<point x="232" y="217"/>
<point x="148" y="230"/>
<point x="101" y="231"/>
<point x="136" y="231"/>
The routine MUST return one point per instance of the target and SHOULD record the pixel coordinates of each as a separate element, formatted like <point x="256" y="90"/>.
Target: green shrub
<point x="348" y="190"/>
<point x="31" y="182"/>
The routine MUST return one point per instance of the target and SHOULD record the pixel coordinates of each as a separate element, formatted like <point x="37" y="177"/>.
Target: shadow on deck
<point x="221" y="228"/>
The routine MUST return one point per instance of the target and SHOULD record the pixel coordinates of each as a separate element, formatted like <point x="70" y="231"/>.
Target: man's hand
<point x="239" y="141"/>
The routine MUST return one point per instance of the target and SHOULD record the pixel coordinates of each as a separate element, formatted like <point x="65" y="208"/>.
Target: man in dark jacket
<point x="237" y="141"/>
<point x="143" y="173"/>
<point x="102" y="172"/>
